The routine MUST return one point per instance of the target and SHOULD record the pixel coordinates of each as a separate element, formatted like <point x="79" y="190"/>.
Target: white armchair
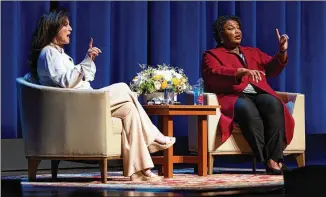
<point x="236" y="144"/>
<point x="65" y="124"/>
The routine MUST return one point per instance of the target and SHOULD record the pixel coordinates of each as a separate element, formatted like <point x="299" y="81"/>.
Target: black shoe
<point x="272" y="171"/>
<point x="284" y="167"/>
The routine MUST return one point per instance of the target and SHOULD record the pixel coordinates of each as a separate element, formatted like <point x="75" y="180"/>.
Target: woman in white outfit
<point x="51" y="66"/>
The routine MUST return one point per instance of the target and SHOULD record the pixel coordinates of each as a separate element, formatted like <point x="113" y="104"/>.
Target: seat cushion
<point x="116" y="125"/>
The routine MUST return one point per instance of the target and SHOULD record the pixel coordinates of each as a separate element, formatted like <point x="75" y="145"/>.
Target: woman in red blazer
<point x="237" y="75"/>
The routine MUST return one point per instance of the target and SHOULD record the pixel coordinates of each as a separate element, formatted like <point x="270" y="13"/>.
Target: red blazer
<point x="219" y="69"/>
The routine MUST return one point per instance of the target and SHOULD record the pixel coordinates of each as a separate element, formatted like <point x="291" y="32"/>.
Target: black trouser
<point x="261" y="120"/>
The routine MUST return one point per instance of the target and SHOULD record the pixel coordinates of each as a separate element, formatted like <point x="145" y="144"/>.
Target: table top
<point x="181" y="106"/>
<point x="181" y="109"/>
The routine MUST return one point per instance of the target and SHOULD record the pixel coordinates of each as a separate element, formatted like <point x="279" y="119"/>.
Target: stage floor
<point x="86" y="182"/>
<point x="14" y="183"/>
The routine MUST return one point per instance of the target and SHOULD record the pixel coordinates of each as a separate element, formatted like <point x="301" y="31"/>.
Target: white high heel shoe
<point x="155" y="146"/>
<point x="140" y="176"/>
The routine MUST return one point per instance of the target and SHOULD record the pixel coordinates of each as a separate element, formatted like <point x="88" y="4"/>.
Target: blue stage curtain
<point x="18" y="20"/>
<point x="176" y="33"/>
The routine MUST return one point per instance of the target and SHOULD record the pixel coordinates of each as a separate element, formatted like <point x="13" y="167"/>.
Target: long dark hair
<point x="47" y="28"/>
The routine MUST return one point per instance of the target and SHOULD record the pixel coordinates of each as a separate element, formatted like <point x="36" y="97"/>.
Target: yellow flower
<point x="164" y="84"/>
<point x="175" y="81"/>
<point x="157" y="77"/>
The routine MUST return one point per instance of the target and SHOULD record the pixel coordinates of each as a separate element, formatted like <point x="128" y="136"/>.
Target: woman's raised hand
<point x="93" y="51"/>
<point x="282" y="41"/>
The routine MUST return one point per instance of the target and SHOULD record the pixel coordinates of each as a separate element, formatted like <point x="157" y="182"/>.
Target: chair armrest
<point x="61" y="122"/>
<point x="298" y="99"/>
<point x="298" y="114"/>
<point x="289" y="96"/>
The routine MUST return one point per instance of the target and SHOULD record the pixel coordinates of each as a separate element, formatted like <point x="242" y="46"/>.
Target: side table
<point x="166" y="113"/>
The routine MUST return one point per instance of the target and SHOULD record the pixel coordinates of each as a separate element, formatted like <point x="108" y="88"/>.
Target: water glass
<point x="169" y="94"/>
<point x="198" y="95"/>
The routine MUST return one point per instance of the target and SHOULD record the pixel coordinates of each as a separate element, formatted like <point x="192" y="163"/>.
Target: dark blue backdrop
<point x="170" y="32"/>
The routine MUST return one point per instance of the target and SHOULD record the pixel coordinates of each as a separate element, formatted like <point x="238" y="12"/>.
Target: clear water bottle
<point x="199" y="92"/>
<point x="169" y="94"/>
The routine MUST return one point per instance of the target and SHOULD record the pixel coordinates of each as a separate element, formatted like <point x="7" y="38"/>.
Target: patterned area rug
<point x="184" y="179"/>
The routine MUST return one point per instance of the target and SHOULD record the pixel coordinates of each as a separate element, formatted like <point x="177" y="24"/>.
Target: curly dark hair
<point x="47" y="28"/>
<point x="218" y="26"/>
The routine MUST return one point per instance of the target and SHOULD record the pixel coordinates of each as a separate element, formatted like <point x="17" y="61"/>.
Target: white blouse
<point x="55" y="68"/>
<point x="249" y="89"/>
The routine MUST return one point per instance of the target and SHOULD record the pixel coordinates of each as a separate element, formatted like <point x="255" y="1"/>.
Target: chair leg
<point x="196" y="169"/>
<point x="160" y="170"/>
<point x="103" y="169"/>
<point x="210" y="163"/>
<point x="32" y="168"/>
<point x="300" y="159"/>
<point x="54" y="168"/>
<point x="254" y="162"/>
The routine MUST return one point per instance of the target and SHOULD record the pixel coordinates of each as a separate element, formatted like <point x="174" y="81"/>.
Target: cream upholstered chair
<point x="65" y="124"/>
<point x="236" y="144"/>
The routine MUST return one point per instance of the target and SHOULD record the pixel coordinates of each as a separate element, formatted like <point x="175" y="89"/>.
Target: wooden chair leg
<point x="254" y="162"/>
<point x="32" y="168"/>
<point x="54" y="168"/>
<point x="196" y="169"/>
<point x="160" y="170"/>
<point x="103" y="169"/>
<point x="301" y="161"/>
<point x="210" y="163"/>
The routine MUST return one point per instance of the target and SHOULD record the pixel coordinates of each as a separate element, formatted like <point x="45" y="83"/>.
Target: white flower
<point x="184" y="86"/>
<point x="157" y="85"/>
<point x="135" y="79"/>
<point x="158" y="72"/>
<point x="139" y="79"/>
<point x="167" y="75"/>
<point x="178" y="76"/>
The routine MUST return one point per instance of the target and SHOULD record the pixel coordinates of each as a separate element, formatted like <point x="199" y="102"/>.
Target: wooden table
<point x="166" y="113"/>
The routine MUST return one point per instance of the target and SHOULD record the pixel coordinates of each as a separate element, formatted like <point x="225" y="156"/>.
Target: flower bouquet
<point x="152" y="80"/>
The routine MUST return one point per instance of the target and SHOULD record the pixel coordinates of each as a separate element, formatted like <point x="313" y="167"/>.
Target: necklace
<point x="57" y="47"/>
